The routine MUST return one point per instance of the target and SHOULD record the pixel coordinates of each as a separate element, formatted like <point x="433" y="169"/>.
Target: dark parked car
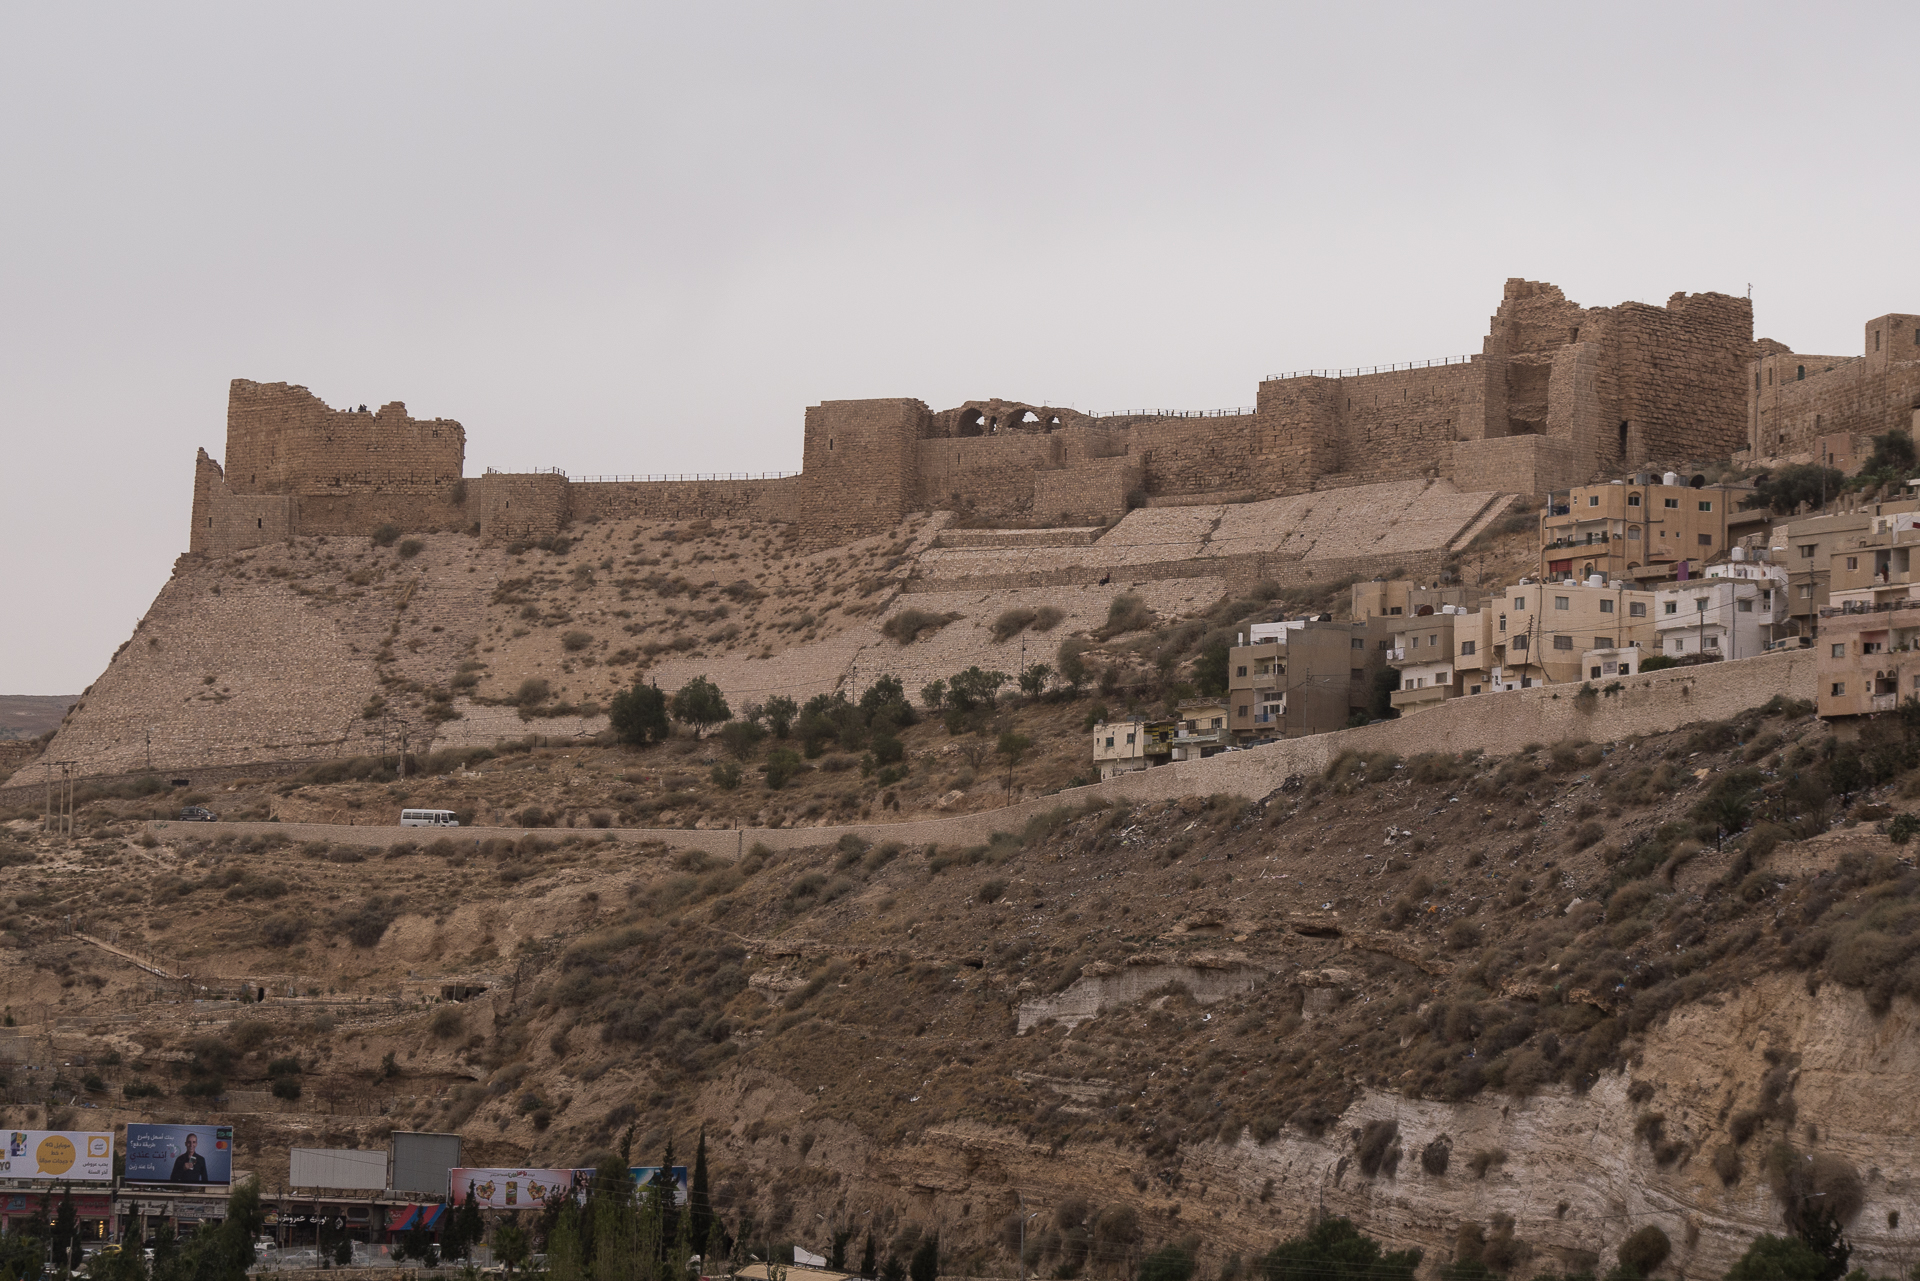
<point x="198" y="814"/>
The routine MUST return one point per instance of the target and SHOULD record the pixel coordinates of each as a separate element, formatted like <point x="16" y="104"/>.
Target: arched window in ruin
<point x="1027" y="418"/>
<point x="1053" y="421"/>
<point x="969" y="423"/>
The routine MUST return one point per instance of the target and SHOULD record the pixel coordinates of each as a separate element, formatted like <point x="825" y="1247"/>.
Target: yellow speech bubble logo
<point x="54" y="1155"/>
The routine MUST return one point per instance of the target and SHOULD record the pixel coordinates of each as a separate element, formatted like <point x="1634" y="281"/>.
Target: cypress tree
<point x="867" y="1261"/>
<point x="699" y="1203"/>
<point x="565" y="1260"/>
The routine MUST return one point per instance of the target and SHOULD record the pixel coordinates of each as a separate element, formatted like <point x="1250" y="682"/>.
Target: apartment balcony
<point x="1885" y="702"/>
<point x="1413" y="700"/>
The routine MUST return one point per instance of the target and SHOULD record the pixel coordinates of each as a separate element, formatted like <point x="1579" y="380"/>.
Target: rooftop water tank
<point x="1596" y="580"/>
<point x="1739" y="553"/>
<point x="1670" y="478"/>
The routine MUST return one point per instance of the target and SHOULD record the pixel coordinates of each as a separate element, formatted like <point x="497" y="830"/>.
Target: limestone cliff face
<point x="1575" y="1172"/>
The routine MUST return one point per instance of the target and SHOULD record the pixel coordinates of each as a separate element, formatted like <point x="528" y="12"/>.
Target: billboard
<point x="77" y="1156"/>
<point x="645" y="1174"/>
<point x="345" y="1168"/>
<point x="179" y="1153"/>
<point x="421" y="1161"/>
<point x="501" y="1189"/>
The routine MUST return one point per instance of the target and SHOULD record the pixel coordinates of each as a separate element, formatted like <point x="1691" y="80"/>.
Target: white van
<point x="428" y="818"/>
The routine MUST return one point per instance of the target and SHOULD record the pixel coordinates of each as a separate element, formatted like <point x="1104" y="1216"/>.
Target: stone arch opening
<point x="969" y="423"/>
<point x="1026" y="418"/>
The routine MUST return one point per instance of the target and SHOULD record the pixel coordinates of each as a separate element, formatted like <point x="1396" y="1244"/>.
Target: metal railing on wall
<point x="704" y="475"/>
<point x="1356" y="372"/>
<point x="1173" y="413"/>
<point x="624" y="480"/>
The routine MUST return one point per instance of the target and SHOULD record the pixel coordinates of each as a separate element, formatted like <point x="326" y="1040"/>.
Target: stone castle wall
<point x="1795" y="399"/>
<point x="1559" y="394"/>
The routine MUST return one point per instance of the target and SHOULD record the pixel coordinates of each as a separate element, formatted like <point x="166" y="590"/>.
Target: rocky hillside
<point x="334" y="647"/>
<point x="1517" y="1007"/>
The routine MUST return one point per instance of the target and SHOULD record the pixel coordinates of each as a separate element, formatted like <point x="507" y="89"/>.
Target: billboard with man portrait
<point x="179" y="1154"/>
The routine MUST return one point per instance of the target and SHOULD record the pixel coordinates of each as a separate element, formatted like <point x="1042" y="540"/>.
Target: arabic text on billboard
<point x="78" y="1156"/>
<point x="179" y="1153"/>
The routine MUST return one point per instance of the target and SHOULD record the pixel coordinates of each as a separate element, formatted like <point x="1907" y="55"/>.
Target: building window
<point x="1706" y="540"/>
<point x="1840" y="650"/>
<point x="1241" y="711"/>
<point x="1676" y="647"/>
<point x="1636" y="609"/>
<point x="1563" y="642"/>
<point x="1606" y="607"/>
<point x="1503" y="622"/>
<point x="1519" y="602"/>
<point x="1706" y="507"/>
<point x="1395" y="609"/>
<point x="1520" y="642"/>
<point x="1109" y="740"/>
<point x="1603" y="642"/>
<point x="1466" y="647"/>
<point x="1359" y="642"/>
<point x="1839" y="688"/>
<point x="1562" y="602"/>
<point x="1633" y="533"/>
<point x="1593" y="500"/>
<point x="1240" y="671"/>
<point x="1358" y="674"/>
<point x="1594" y="672"/>
<point x="1674" y="503"/>
<point x="1802" y="375"/>
<point x="1413" y="642"/>
<point x="1633" y="500"/>
<point x="1806" y="591"/>
<point x="1853" y="562"/>
<point x="1672" y="606"/>
<point x="1129" y="740"/>
<point x="1473" y="689"/>
<point x="1766" y="596"/>
<point x="1713" y="642"/>
<point x="1745" y="607"/>
<point x="1806" y="551"/>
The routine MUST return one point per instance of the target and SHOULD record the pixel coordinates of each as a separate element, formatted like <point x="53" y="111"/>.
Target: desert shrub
<point x="742" y="738"/>
<point x="1377" y="1151"/>
<point x="909" y="625"/>
<point x="141" y="1090"/>
<point x="725" y="776"/>
<point x="447" y="1022"/>
<point x="1727" y="1164"/>
<point x="1645" y="1250"/>
<point x="1352" y="768"/>
<point x="411" y="547"/>
<point x="1433" y="767"/>
<point x="533" y="691"/>
<point x="1437" y="1156"/>
<point x="1486" y="1159"/>
<point x="366" y="924"/>
<point x="1047" y="617"/>
<point x="1012" y="622"/>
<point x="1171" y="1262"/>
<point x="384" y="535"/>
<point x="283" y="929"/>
<point x="783" y="764"/>
<point x="1126" y="613"/>
<point x="1463" y="934"/>
<point x="990" y="890"/>
<point x="574" y="642"/>
<point x="286" y="1087"/>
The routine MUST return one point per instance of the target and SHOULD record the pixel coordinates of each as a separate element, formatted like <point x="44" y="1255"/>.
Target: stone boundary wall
<point x="1072" y="537"/>
<point x="1497" y="724"/>
<point x="1241" y="570"/>
<point x="30" y="792"/>
<point x="768" y="500"/>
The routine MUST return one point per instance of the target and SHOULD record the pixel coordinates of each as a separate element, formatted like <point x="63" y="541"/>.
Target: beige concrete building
<point x="1806" y="547"/>
<point x="1120" y="747"/>
<point x="1641" y="528"/>
<point x="1869" y="656"/>
<point x="1539" y="633"/>
<point x="1201" y="729"/>
<point x="1305" y="676"/>
<point x="1403" y="598"/>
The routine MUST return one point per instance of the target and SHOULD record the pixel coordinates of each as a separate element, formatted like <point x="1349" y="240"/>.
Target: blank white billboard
<point x="343" y="1168"/>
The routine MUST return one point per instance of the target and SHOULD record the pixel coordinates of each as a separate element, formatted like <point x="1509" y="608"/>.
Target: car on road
<point x="198" y="814"/>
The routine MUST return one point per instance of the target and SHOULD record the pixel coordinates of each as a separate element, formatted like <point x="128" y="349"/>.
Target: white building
<point x="1732" y="612"/>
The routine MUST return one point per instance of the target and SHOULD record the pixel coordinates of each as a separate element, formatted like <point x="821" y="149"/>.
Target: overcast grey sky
<point x="625" y="238"/>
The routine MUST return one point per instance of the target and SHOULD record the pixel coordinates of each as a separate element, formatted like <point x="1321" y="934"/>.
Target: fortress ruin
<point x="1559" y="394"/>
